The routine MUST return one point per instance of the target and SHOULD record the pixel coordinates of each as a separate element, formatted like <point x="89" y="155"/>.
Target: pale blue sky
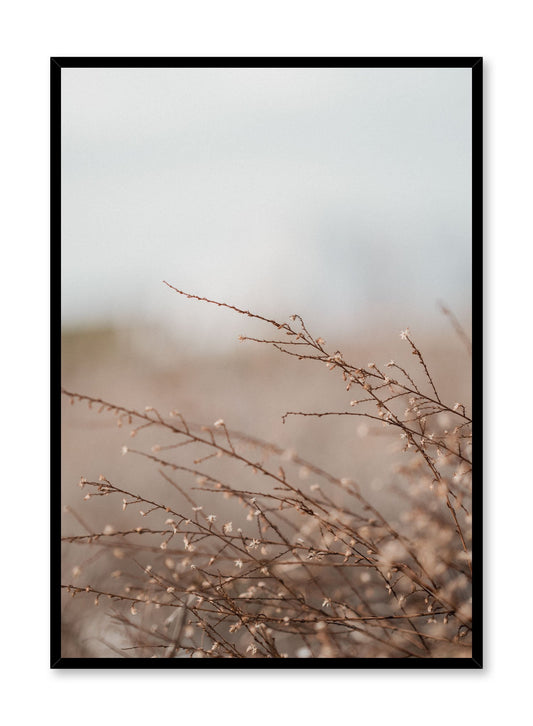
<point x="342" y="194"/>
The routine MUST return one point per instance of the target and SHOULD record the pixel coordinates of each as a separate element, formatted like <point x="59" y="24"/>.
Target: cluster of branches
<point x="301" y="570"/>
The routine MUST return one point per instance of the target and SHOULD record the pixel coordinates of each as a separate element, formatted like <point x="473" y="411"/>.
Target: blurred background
<point x="343" y="195"/>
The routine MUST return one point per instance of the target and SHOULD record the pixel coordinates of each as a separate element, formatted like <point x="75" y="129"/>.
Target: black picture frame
<point x="57" y="64"/>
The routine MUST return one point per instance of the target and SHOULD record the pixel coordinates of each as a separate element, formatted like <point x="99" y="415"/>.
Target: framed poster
<point x="266" y="311"/>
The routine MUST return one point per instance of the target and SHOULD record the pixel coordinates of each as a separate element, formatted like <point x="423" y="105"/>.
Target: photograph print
<point x="266" y="313"/>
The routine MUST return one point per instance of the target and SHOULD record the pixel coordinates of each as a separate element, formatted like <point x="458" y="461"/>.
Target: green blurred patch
<point x="78" y="345"/>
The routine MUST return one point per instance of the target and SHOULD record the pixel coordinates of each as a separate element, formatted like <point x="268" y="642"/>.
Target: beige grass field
<point x="163" y="608"/>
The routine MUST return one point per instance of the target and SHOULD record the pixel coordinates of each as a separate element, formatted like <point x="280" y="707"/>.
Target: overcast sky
<point x="341" y="194"/>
